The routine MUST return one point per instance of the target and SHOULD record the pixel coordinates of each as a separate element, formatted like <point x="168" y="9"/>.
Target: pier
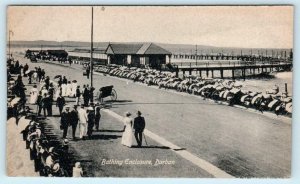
<point x="242" y="66"/>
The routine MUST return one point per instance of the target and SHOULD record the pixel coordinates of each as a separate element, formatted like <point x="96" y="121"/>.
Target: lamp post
<point x="91" y="59"/>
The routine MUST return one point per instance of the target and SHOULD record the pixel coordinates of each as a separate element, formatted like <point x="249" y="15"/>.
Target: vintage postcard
<point x="149" y="91"/>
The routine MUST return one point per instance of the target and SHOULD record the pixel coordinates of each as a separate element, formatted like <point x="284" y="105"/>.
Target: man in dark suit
<point x="74" y="120"/>
<point x="65" y="121"/>
<point x="139" y="126"/>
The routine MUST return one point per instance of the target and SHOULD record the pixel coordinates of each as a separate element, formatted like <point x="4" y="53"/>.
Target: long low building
<point x="84" y="55"/>
<point x="140" y="54"/>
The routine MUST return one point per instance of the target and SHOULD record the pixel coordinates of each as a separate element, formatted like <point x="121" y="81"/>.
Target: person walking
<point x="127" y="134"/>
<point x="65" y="121"/>
<point x="25" y="68"/>
<point x="82" y="116"/>
<point x="139" y="126"/>
<point x="74" y="121"/>
<point x="77" y="95"/>
<point x="48" y="104"/>
<point x="60" y="102"/>
<point x="97" y="117"/>
<point x="91" y="121"/>
<point x="86" y="95"/>
<point x="39" y="103"/>
<point x="44" y="102"/>
<point x="88" y="71"/>
<point x="33" y="94"/>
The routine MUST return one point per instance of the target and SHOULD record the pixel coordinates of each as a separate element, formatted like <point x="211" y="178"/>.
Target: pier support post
<point x="212" y="73"/>
<point x="190" y="71"/>
<point x="206" y="72"/>
<point x="200" y="73"/>
<point x="232" y="71"/>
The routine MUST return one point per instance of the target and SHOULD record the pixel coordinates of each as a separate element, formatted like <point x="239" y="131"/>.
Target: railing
<point x="229" y="63"/>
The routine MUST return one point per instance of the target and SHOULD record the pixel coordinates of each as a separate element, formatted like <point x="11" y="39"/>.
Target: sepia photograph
<point x="149" y="91"/>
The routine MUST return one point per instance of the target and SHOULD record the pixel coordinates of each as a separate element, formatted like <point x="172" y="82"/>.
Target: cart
<point x="107" y="91"/>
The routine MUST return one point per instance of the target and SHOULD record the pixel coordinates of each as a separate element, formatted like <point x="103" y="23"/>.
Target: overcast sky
<point x="227" y="26"/>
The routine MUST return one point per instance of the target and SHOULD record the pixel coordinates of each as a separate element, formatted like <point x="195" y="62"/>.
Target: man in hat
<point x="77" y="95"/>
<point x="97" y="116"/>
<point x="91" y="121"/>
<point x="65" y="121"/>
<point x="74" y="120"/>
<point x="139" y="126"/>
<point x="82" y="115"/>
<point x="86" y="95"/>
<point x="60" y="102"/>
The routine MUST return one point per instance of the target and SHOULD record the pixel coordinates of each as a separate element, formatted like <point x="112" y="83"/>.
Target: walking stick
<point x="145" y="139"/>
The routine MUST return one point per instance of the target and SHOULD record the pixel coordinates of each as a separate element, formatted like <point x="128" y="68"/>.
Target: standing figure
<point x="127" y="134"/>
<point x="33" y="95"/>
<point x="86" y="96"/>
<point x="82" y="116"/>
<point x="64" y="89"/>
<point x="91" y="121"/>
<point x="64" y="80"/>
<point x="88" y="71"/>
<point x="97" y="117"/>
<point x="44" y="103"/>
<point x="39" y="103"/>
<point x="60" y="102"/>
<point x="78" y="95"/>
<point x="74" y="121"/>
<point x="65" y="121"/>
<point x="25" y="68"/>
<point x="48" y="104"/>
<point x="69" y="89"/>
<point x="74" y="87"/>
<point x="139" y="126"/>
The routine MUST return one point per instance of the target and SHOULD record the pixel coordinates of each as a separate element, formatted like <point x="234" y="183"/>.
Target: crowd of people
<point x="51" y="157"/>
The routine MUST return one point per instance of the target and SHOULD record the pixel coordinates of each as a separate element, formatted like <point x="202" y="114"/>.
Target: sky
<point x="223" y="26"/>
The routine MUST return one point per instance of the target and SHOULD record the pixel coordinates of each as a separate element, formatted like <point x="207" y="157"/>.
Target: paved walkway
<point x="18" y="159"/>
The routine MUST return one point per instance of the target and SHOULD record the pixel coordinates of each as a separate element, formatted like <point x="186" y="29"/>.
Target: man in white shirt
<point x="82" y="116"/>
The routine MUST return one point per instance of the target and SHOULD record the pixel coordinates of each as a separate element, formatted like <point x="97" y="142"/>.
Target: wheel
<point x="113" y="95"/>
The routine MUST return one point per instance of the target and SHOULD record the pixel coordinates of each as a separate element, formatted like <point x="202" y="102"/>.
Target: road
<point x="237" y="141"/>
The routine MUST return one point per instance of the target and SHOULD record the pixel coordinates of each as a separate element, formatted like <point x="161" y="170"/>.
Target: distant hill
<point x="174" y="48"/>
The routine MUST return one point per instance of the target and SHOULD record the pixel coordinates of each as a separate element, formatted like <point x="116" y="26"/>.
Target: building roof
<point x="138" y="49"/>
<point x="96" y="50"/>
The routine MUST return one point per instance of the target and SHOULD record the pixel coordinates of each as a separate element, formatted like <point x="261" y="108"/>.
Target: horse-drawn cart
<point x="107" y="91"/>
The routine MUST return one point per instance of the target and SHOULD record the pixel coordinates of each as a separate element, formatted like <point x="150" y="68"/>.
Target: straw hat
<point x="56" y="167"/>
<point x="77" y="165"/>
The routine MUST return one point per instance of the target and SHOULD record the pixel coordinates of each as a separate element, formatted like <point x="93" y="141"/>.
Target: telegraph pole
<point x="91" y="59"/>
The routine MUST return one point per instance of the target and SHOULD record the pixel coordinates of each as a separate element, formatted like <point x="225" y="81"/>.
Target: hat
<point x="56" y="167"/>
<point x="139" y="113"/>
<point x="66" y="141"/>
<point x="67" y="106"/>
<point x="51" y="149"/>
<point x="90" y="108"/>
<point x="128" y="114"/>
<point x="77" y="165"/>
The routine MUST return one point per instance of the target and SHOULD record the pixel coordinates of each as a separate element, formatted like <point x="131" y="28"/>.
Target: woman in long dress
<point x="33" y="95"/>
<point x="127" y="137"/>
<point x="69" y="89"/>
<point x="64" y="90"/>
<point x="74" y="87"/>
